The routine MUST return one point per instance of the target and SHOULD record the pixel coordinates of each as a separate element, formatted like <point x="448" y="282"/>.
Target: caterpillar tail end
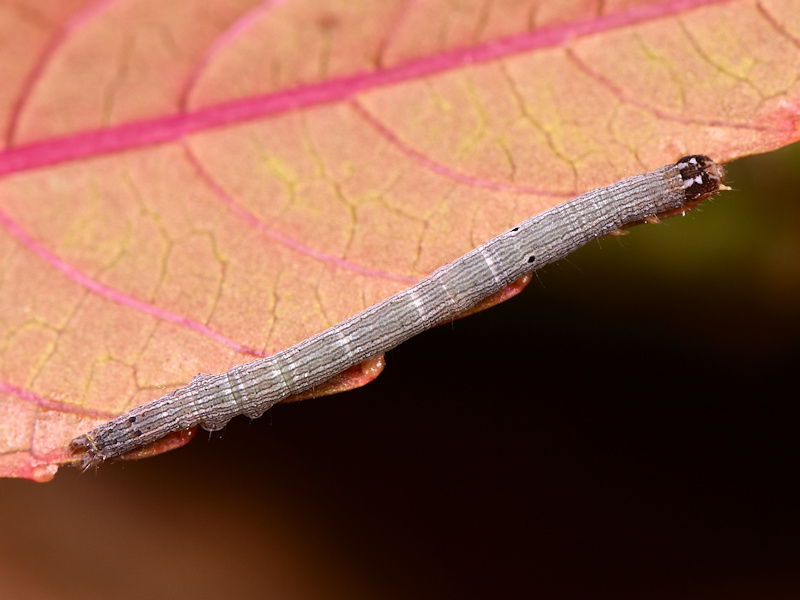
<point x="90" y="455"/>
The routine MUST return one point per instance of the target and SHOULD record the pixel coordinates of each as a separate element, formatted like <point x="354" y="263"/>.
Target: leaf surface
<point x="185" y="186"/>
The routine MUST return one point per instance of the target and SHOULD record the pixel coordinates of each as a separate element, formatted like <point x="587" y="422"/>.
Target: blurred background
<point x="626" y="428"/>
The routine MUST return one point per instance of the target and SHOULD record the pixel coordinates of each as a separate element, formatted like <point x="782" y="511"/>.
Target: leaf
<point x="185" y="186"/>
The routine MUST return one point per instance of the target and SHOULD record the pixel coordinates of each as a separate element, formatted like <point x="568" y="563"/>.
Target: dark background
<point x="626" y="428"/>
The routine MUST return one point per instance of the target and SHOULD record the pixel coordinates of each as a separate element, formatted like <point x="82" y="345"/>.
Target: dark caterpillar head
<point x="702" y="177"/>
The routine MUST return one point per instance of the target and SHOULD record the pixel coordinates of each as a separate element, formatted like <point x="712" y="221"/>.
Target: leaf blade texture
<point x="184" y="187"/>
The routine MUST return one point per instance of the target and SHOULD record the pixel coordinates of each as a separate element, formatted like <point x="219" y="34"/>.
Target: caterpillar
<point x="252" y="388"/>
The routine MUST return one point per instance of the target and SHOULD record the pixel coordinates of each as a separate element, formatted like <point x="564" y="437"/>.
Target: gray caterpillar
<point x="252" y="388"/>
